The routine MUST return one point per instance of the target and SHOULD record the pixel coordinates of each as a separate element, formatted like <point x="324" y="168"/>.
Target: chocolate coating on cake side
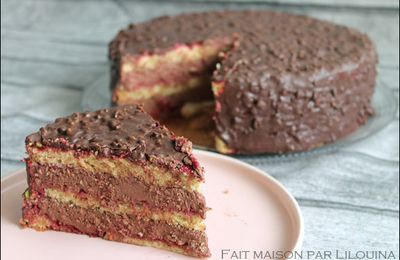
<point x="290" y="82"/>
<point x="125" y="131"/>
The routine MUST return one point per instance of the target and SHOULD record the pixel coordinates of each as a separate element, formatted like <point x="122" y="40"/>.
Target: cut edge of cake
<point x="152" y="79"/>
<point x="309" y="64"/>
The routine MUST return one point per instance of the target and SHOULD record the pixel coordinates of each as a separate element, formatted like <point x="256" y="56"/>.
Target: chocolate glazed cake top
<point x="125" y="131"/>
<point x="279" y="41"/>
<point x="276" y="76"/>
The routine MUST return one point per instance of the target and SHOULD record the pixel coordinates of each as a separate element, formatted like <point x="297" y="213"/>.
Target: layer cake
<point x="119" y="175"/>
<point x="280" y="82"/>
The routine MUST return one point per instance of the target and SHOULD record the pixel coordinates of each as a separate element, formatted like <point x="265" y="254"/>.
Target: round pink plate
<point x="250" y="211"/>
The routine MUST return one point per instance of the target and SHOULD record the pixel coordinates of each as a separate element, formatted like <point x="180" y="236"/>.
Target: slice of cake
<point x="119" y="175"/>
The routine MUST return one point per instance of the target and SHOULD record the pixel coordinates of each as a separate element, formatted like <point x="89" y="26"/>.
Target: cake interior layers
<point x="114" y="166"/>
<point x="55" y="212"/>
<point x="175" y="87"/>
<point x="115" y="181"/>
<point x="116" y="199"/>
<point x="165" y="101"/>
<point x="164" y="82"/>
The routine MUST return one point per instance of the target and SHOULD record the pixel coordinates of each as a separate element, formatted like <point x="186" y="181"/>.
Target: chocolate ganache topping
<point x="125" y="131"/>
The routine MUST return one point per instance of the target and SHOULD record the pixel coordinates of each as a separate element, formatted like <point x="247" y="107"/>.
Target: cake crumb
<point x="230" y="214"/>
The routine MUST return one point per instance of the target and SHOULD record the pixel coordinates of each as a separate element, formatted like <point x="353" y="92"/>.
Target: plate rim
<point x="296" y="212"/>
<point x="283" y="189"/>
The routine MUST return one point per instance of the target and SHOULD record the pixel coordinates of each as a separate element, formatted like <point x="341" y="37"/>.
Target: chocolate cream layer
<point x="112" y="190"/>
<point x="189" y="221"/>
<point x="100" y="224"/>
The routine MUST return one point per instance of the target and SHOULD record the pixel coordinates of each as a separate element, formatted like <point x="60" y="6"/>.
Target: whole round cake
<point x="271" y="82"/>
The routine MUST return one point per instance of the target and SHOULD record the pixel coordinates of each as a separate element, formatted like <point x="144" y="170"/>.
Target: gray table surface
<point x="52" y="50"/>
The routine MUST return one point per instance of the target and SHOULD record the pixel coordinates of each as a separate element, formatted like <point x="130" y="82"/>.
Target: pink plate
<point x="249" y="211"/>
